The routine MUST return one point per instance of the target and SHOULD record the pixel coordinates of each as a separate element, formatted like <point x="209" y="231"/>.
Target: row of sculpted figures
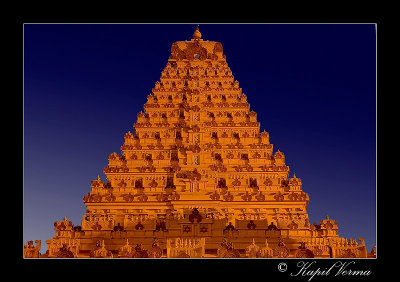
<point x="195" y="248"/>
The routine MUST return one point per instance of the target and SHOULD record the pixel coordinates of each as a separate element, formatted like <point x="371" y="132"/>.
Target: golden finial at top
<point x="197" y="34"/>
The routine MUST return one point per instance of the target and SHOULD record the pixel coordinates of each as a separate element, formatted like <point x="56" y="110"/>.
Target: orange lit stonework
<point x="197" y="179"/>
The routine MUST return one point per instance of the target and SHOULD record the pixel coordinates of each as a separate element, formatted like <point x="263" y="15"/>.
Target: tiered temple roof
<point x="196" y="171"/>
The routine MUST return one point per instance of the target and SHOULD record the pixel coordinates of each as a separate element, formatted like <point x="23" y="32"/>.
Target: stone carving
<point x="65" y="252"/>
<point x="100" y="251"/>
<point x="246" y="197"/>
<point x="155" y="251"/>
<point x="348" y="254"/>
<point x="198" y="147"/>
<point x="253" y="251"/>
<point x="228" y="197"/>
<point x="64" y="225"/>
<point x="118" y="227"/>
<point x="195" y="216"/>
<point x="31" y="251"/>
<point x="162" y="197"/>
<point x="174" y="196"/>
<point x="226" y="250"/>
<point x="279" y="197"/>
<point x="251" y="225"/>
<point x="303" y="252"/>
<point x="142" y="198"/>
<point x="139" y="252"/>
<point x="185" y="248"/>
<point x="128" y="197"/>
<point x="97" y="227"/>
<point x="293" y="225"/>
<point x="110" y="197"/>
<point x="139" y="226"/>
<point x="272" y="226"/>
<point x="182" y="254"/>
<point x="125" y="251"/>
<point x="372" y="254"/>
<point x="260" y="196"/>
<point x="236" y="182"/>
<point x="281" y="251"/>
<point x="215" y="196"/>
<point x="153" y="184"/>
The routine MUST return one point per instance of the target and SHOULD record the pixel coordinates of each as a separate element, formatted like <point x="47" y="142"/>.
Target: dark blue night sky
<point x="313" y="87"/>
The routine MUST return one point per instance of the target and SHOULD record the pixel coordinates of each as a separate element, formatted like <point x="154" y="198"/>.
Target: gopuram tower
<point x="196" y="179"/>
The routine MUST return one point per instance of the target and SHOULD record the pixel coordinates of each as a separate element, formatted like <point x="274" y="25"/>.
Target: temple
<point x="197" y="179"/>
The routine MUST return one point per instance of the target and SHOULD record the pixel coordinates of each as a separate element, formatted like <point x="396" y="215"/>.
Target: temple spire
<point x="197" y="34"/>
<point x="175" y="145"/>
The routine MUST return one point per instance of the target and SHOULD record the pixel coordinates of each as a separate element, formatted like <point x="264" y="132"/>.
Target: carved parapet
<point x="372" y="254"/>
<point x="348" y="252"/>
<point x="349" y="249"/>
<point x="139" y="222"/>
<point x="320" y="246"/>
<point x="161" y="197"/>
<point x="63" y="247"/>
<point x="31" y="251"/>
<point x="100" y="251"/>
<point x="98" y="222"/>
<point x="188" y="247"/>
